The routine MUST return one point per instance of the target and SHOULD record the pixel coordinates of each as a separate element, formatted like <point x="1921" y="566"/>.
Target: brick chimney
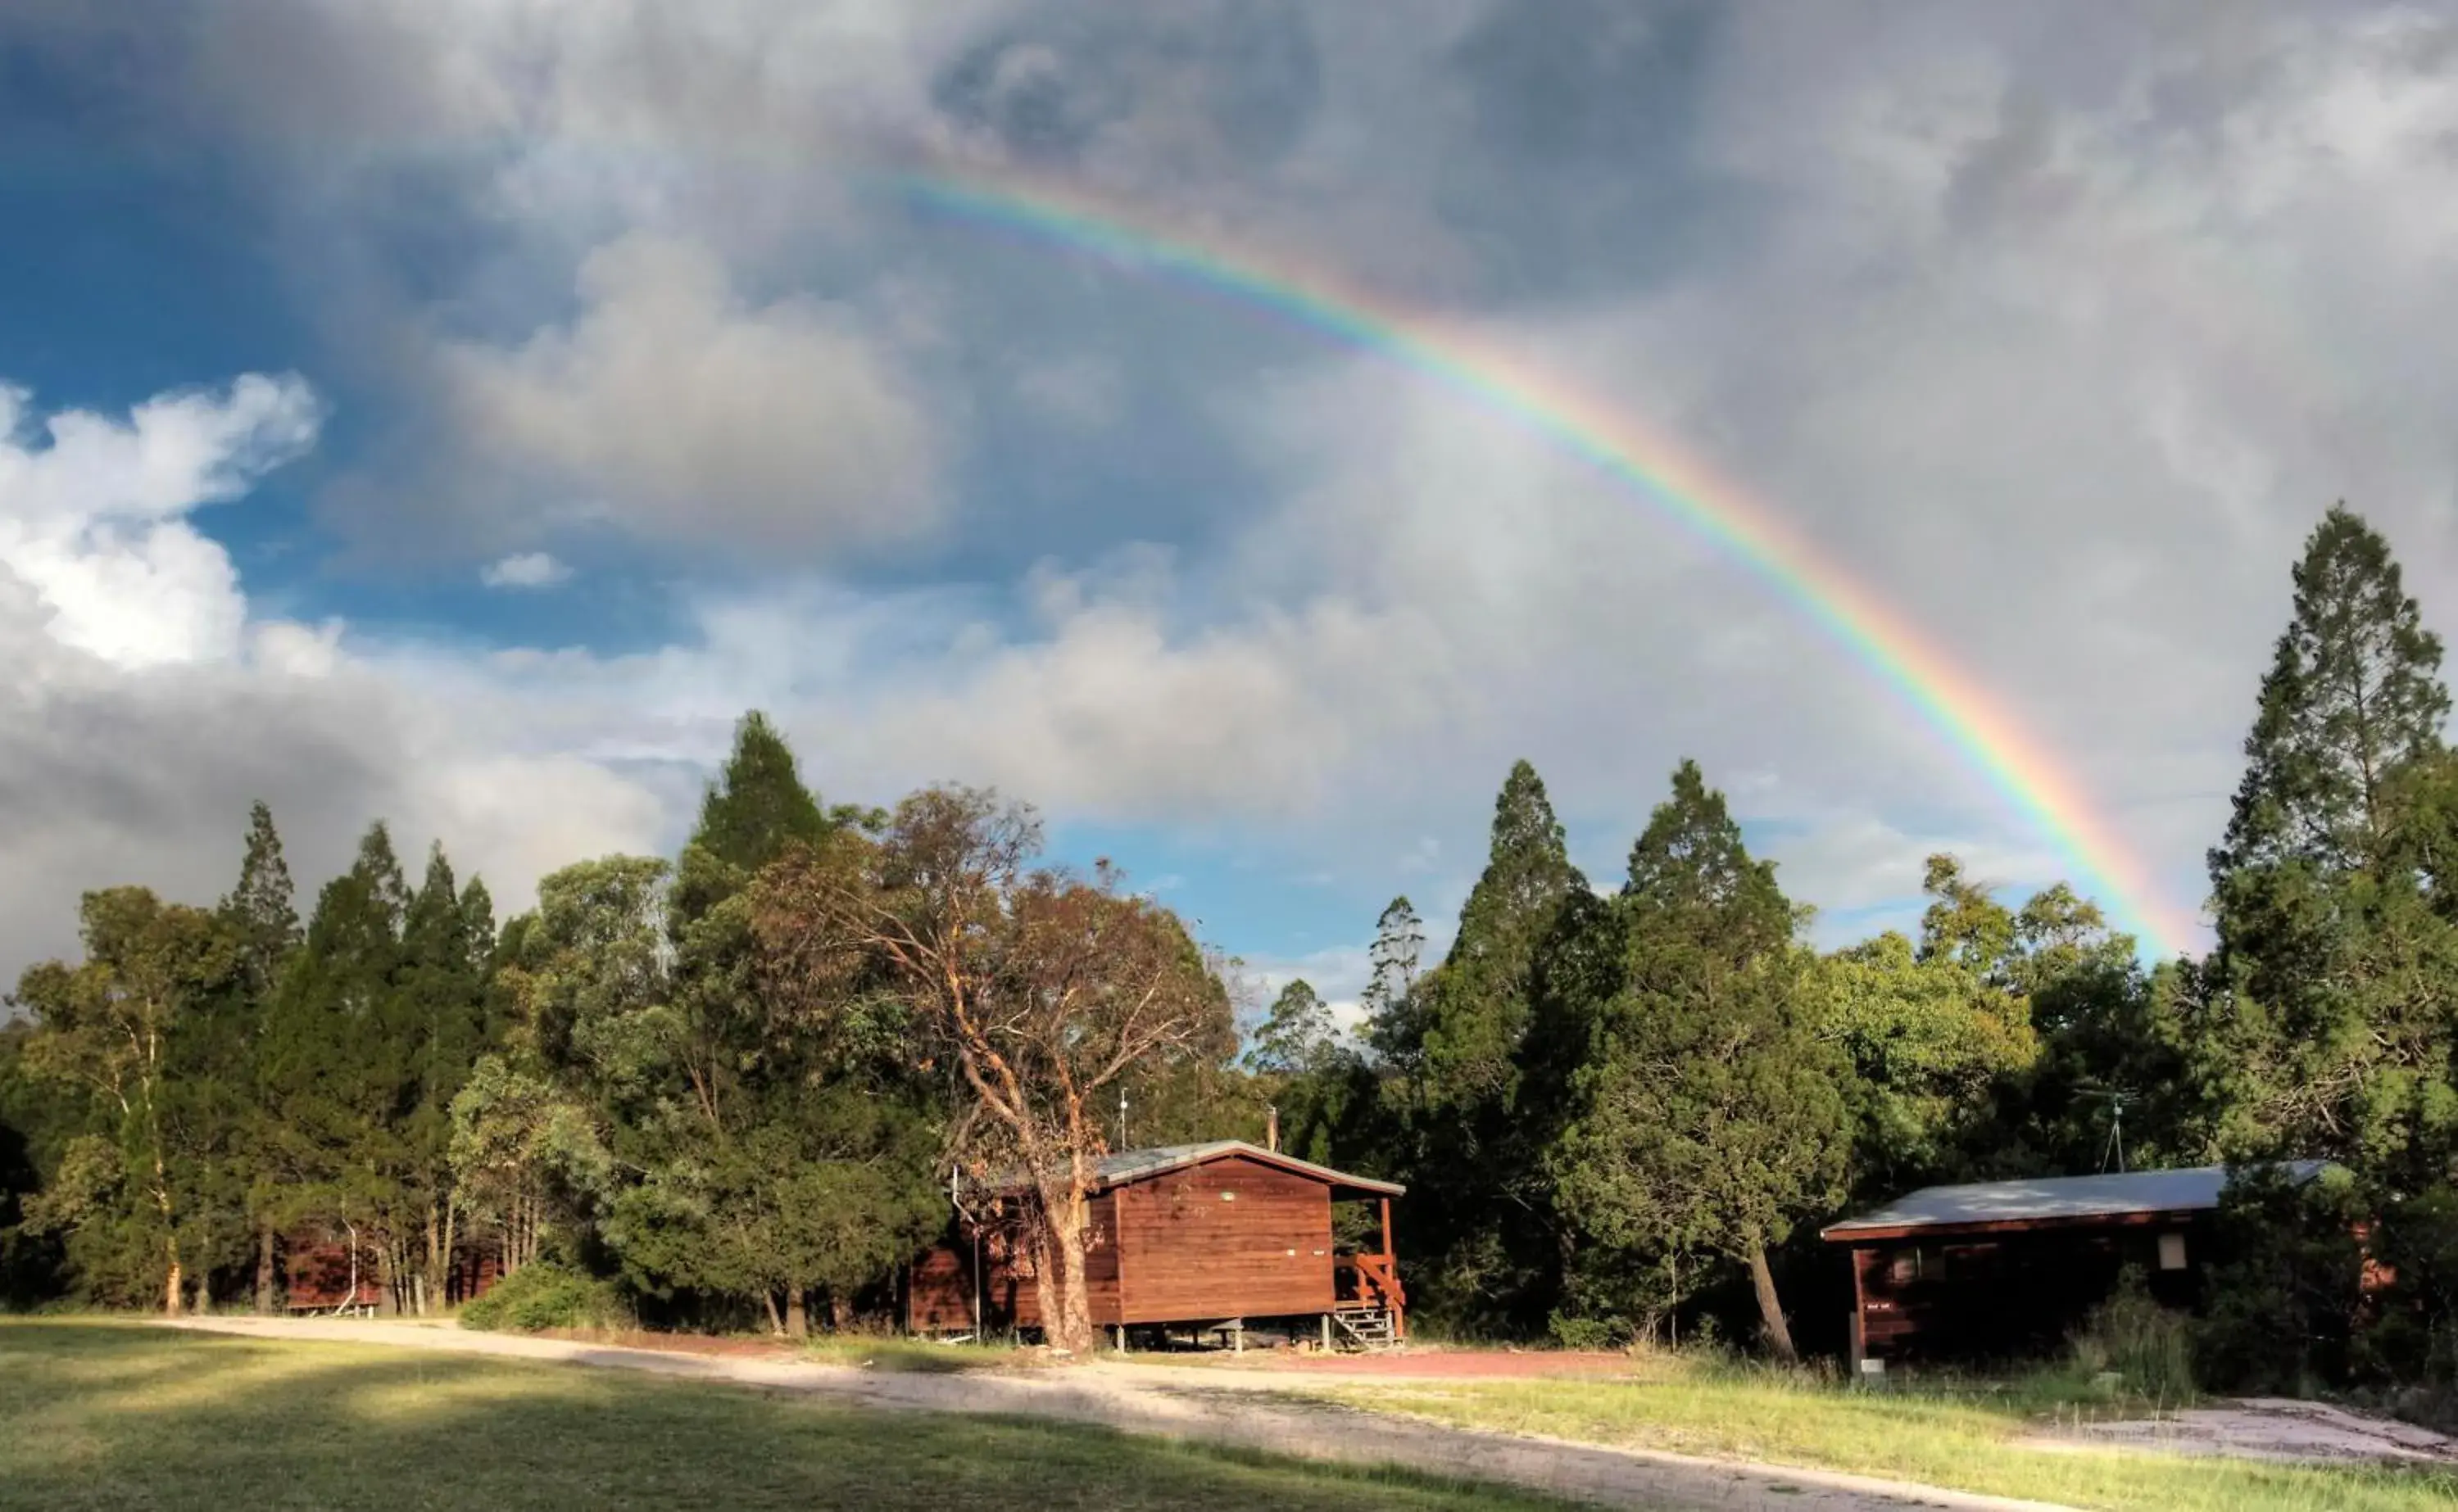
<point x="1272" y="1129"/>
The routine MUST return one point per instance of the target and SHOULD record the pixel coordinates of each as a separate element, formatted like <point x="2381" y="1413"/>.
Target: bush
<point x="2410" y="1325"/>
<point x="2285" y="1299"/>
<point x="2149" y="1347"/>
<point x="542" y="1295"/>
<point x="1591" y="1332"/>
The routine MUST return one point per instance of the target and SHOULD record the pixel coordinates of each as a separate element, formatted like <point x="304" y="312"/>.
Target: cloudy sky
<point x="460" y="410"/>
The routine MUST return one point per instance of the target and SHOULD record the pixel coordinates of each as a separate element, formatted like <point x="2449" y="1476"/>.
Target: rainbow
<point x="2022" y="770"/>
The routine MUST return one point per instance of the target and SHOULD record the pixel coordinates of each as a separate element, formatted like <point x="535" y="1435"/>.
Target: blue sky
<point x="459" y="413"/>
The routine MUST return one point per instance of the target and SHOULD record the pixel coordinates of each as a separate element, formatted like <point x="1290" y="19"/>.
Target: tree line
<point x="737" y="1083"/>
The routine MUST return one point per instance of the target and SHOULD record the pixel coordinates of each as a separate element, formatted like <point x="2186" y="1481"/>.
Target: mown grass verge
<point x="1968" y="1436"/>
<point x="100" y="1414"/>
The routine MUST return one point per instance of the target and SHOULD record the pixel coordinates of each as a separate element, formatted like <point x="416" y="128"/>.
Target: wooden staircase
<point x="1371" y="1313"/>
<point x="1369" y="1329"/>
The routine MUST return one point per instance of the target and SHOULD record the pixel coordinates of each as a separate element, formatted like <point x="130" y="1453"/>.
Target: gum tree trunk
<point x="1770" y="1310"/>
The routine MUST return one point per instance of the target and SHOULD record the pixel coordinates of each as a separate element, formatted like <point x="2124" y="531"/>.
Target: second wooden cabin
<point x="1203" y="1236"/>
<point x="2006" y="1269"/>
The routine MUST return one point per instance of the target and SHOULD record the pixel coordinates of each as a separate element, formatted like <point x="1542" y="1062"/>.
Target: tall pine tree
<point x="1473" y="1158"/>
<point x="1707" y="1118"/>
<point x="2354" y="694"/>
<point x="260" y="915"/>
<point x="1479" y="1000"/>
<point x="262" y="908"/>
<point x="439" y="1012"/>
<point x="2318" y="1026"/>
<point x="328" y="1070"/>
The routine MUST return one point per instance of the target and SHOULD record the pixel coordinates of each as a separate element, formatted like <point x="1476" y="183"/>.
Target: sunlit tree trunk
<point x="1770" y="1310"/>
<point x="451" y="1238"/>
<point x="432" y="1273"/>
<point x="264" y="1267"/>
<point x="1067" y="1311"/>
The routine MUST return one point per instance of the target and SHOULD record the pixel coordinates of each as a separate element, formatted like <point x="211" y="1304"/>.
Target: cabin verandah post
<point x="1391" y="1258"/>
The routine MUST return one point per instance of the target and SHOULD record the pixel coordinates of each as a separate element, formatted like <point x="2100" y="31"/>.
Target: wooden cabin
<point x="1186" y="1237"/>
<point x="319" y="1274"/>
<point x="2003" y="1270"/>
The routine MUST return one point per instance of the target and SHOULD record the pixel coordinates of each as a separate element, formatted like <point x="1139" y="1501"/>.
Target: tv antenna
<point x="2114" y="1149"/>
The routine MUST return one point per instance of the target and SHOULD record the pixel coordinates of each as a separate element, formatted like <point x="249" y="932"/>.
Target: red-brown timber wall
<point x="1229" y="1238"/>
<point x="939" y="1292"/>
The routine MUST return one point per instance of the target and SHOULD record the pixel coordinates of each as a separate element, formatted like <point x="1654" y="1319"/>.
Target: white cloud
<point x="92" y="521"/>
<point x="142" y="707"/>
<point x="525" y="569"/>
<point x="673" y="408"/>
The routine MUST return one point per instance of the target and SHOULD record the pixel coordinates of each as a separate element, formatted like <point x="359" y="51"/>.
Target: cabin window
<point x="1916" y="1264"/>
<point x="2172" y="1252"/>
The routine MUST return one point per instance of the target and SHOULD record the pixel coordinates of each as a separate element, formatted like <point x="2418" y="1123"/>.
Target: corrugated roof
<point x="1136" y="1165"/>
<point x="2194" y="1188"/>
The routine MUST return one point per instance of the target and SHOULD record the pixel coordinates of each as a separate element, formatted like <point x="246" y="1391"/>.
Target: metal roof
<point x="1136" y="1165"/>
<point x="2193" y="1189"/>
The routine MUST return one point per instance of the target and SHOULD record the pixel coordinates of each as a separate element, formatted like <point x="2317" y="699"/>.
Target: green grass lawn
<point x="1959" y="1436"/>
<point x="98" y="1414"/>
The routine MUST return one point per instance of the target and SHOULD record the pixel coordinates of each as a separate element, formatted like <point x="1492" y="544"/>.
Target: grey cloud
<point x="1233" y="86"/>
<point x="111" y="776"/>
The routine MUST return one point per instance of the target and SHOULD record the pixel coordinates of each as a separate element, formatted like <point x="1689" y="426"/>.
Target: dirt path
<point x="2270" y="1428"/>
<point x="1214" y="1407"/>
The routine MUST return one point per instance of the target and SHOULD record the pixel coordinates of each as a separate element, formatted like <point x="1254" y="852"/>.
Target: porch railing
<point x="1370" y="1279"/>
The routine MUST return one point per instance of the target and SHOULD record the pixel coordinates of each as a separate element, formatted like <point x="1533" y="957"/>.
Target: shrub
<point x="1591" y="1332"/>
<point x="2149" y="1347"/>
<point x="2285" y="1299"/>
<point x="545" y="1294"/>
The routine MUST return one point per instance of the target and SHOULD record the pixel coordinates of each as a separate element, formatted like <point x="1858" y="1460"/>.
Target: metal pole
<point x="958" y="1203"/>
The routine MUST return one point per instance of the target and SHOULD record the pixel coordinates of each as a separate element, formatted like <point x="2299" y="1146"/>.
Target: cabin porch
<point x="1369" y="1304"/>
